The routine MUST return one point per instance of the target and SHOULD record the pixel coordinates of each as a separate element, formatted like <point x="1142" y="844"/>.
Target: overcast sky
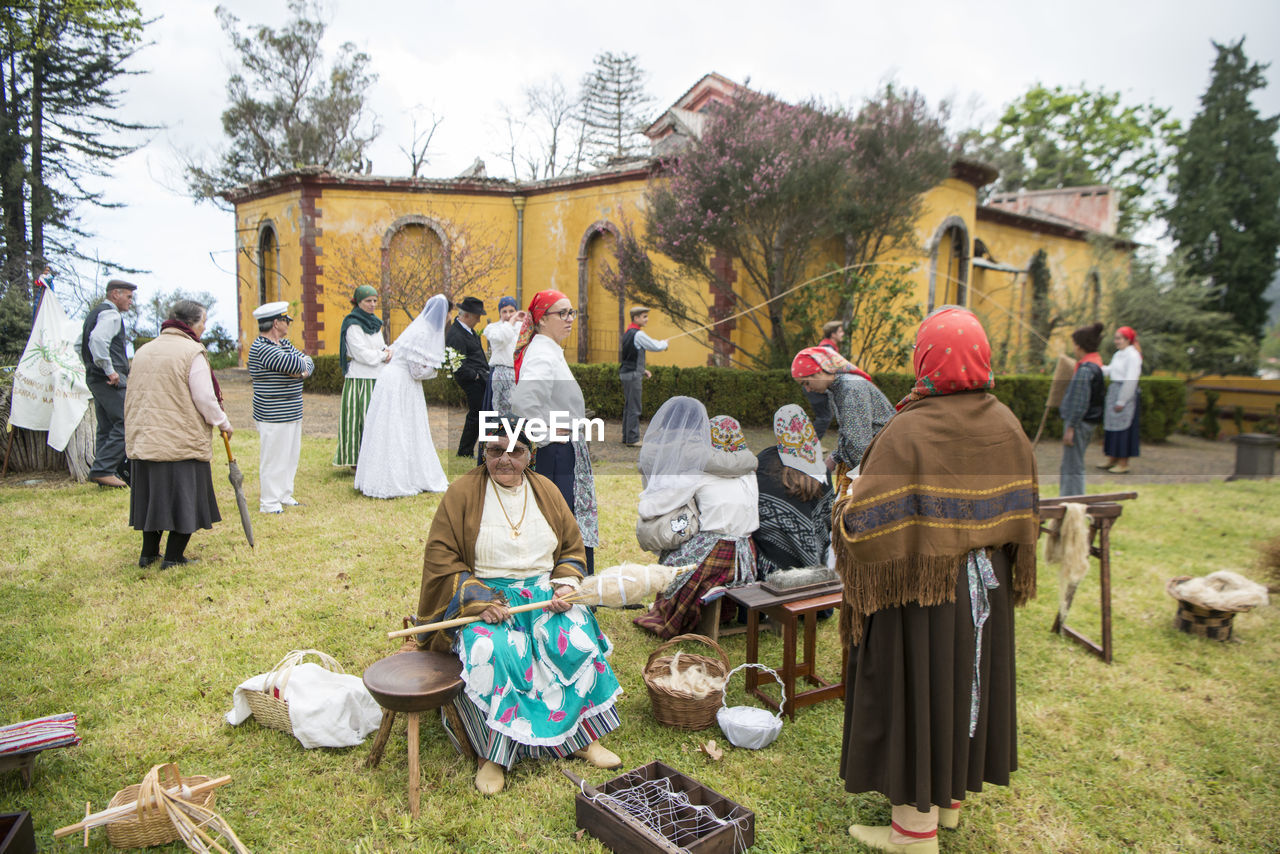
<point x="461" y="59"/>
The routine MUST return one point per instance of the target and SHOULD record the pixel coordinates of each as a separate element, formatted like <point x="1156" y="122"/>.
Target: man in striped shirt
<point x="277" y="369"/>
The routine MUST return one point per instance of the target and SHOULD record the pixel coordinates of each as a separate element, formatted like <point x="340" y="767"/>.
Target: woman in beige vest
<point x="172" y="401"/>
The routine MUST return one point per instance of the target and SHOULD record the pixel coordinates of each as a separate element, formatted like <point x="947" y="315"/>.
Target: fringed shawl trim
<point x="946" y="476"/>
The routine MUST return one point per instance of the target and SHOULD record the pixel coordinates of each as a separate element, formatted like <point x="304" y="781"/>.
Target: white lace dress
<point x="397" y="456"/>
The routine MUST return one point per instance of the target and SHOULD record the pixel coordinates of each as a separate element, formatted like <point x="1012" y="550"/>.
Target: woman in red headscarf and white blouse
<point x="1120" y="415"/>
<point x="545" y="385"/>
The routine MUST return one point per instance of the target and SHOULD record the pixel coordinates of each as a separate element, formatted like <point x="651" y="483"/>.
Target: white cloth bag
<point x="326" y="709"/>
<point x="748" y="726"/>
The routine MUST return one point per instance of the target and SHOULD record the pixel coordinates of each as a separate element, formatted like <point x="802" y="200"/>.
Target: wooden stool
<point x="411" y="682"/>
<point x="786" y="612"/>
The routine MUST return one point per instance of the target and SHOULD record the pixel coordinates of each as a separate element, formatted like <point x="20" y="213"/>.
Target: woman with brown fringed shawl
<point x="935" y="543"/>
<point x="538" y="685"/>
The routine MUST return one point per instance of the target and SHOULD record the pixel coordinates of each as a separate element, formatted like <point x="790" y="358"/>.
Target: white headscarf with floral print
<point x="798" y="445"/>
<point x="730" y="456"/>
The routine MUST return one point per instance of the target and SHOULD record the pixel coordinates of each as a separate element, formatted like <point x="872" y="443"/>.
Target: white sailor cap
<point x="271" y="311"/>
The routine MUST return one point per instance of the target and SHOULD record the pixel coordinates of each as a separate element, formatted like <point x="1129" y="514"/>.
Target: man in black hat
<point x="473" y="374"/>
<point x="106" y="371"/>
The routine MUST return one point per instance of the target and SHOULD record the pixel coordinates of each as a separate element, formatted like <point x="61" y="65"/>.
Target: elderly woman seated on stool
<point x="536" y="683"/>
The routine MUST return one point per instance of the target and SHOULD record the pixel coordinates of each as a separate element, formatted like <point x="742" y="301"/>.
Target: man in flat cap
<point x="473" y="374"/>
<point x="632" y="372"/>
<point x="277" y="369"/>
<point x="106" y="371"/>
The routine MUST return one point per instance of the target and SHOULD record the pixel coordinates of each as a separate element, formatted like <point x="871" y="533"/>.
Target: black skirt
<point x="1123" y="444"/>
<point x="172" y="496"/>
<point x="907" y="700"/>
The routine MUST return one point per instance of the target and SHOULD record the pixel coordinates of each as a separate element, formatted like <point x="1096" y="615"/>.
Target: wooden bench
<point x="786" y="610"/>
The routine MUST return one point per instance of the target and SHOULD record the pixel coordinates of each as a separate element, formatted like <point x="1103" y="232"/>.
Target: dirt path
<point x="1180" y="459"/>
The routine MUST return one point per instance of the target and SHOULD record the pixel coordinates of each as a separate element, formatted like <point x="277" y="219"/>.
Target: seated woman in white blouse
<point x="538" y="684"/>
<point x="688" y="457"/>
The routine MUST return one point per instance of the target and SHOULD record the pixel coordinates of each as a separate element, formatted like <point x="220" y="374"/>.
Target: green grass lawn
<point x="1174" y="747"/>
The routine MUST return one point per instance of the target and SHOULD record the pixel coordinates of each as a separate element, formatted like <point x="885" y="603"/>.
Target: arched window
<point x="602" y="311"/>
<point x="949" y="264"/>
<point x="268" y="262"/>
<point x="415" y="267"/>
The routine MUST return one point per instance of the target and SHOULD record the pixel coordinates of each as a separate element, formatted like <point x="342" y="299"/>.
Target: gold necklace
<point x="515" y="528"/>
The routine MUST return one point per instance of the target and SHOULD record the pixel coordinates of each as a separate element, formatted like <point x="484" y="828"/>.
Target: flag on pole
<point x="49" y="391"/>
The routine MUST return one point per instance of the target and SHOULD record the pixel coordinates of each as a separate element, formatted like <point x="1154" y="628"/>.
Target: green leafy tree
<point x="773" y="186"/>
<point x="613" y="103"/>
<point x="1067" y="137"/>
<point x="61" y="63"/>
<point x="1043" y="317"/>
<point x="1180" y="328"/>
<point x="15" y="325"/>
<point x="1226" y="209"/>
<point x="286" y="110"/>
<point x="155" y="310"/>
<point x="881" y="314"/>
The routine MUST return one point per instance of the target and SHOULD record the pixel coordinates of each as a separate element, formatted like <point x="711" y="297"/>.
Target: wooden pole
<point x="462" y="621"/>
<point x="4" y="472"/>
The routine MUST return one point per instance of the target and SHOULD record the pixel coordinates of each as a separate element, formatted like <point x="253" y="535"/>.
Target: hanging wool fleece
<point x="1068" y="546"/>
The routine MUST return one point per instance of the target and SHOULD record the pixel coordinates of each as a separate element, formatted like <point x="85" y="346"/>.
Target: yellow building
<point x="310" y="237"/>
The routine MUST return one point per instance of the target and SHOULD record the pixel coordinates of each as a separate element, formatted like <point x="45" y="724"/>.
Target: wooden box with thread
<point x="655" y="809"/>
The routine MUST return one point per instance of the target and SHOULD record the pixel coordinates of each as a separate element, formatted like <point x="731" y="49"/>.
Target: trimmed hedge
<point x="753" y="396"/>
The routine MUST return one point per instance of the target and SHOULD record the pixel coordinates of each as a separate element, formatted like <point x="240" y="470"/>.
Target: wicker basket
<point x="152" y="827"/>
<point x="269" y="707"/>
<point x="1198" y="620"/>
<point x="681" y="709"/>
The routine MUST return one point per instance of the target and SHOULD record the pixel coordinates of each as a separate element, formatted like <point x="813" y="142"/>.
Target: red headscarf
<point x="1129" y="334"/>
<point x="538" y="306"/>
<point x="810" y="360"/>
<point x="952" y="354"/>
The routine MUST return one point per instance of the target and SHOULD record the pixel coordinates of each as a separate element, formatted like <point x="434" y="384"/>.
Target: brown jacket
<point x="161" y="422"/>
<point x="450" y="555"/>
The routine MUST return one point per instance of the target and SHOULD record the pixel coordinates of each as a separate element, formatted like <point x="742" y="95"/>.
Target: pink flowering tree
<point x="780" y="189"/>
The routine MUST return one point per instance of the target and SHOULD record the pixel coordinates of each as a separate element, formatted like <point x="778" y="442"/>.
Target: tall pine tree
<point x="1226" y="213"/>
<point x="59" y="125"/>
<point x="613" y="104"/>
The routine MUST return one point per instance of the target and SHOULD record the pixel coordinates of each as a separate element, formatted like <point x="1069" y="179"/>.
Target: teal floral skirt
<point x="539" y="680"/>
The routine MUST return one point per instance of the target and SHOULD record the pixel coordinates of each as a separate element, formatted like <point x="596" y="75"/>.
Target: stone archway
<point x="414" y="263"/>
<point x="598" y="327"/>
<point x="949" y="252"/>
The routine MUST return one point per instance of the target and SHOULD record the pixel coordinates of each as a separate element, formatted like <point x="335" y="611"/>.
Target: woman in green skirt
<point x="362" y="352"/>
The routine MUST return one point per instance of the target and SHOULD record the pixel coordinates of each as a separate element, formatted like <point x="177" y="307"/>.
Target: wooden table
<point x="786" y="610"/>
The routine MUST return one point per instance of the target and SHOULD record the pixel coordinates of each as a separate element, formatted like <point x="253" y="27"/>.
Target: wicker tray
<point x="151" y="827"/>
<point x="269" y="707"/>
<point x="680" y="709"/>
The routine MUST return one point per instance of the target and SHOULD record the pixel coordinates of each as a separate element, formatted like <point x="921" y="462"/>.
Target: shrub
<point x="753" y="396"/>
